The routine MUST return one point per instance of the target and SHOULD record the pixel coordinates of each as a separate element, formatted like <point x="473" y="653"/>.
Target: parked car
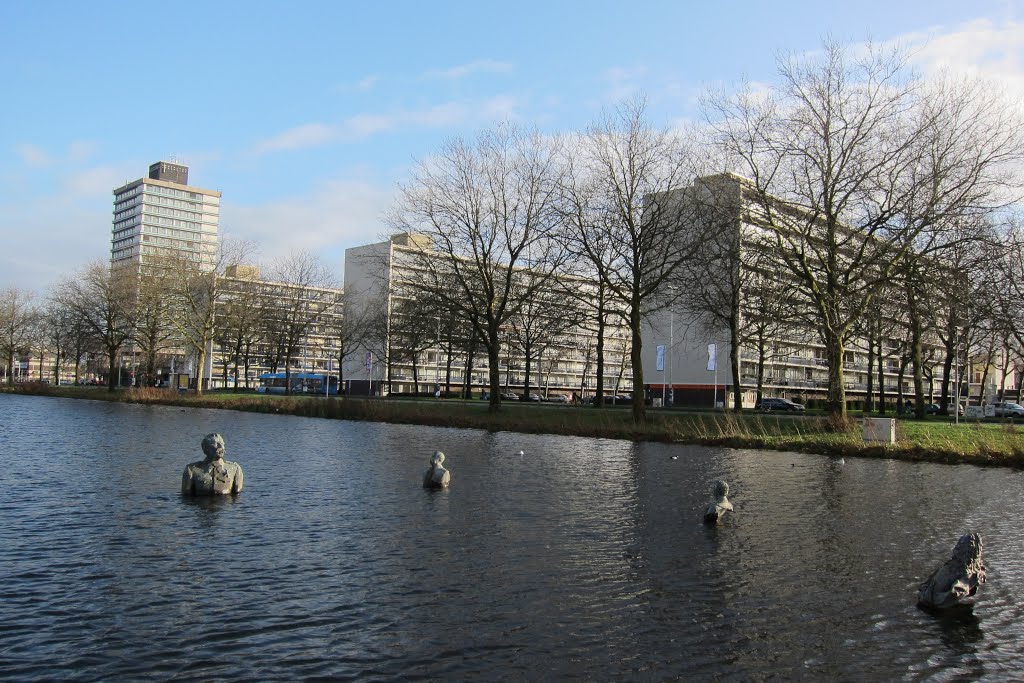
<point x="509" y="396"/>
<point x="936" y="409"/>
<point x="780" y="404"/>
<point x="614" y="399"/>
<point x="1008" y="409"/>
<point x="558" y="398"/>
<point x="529" y="397"/>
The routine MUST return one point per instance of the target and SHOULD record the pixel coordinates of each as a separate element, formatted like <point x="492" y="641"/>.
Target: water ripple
<point x="581" y="559"/>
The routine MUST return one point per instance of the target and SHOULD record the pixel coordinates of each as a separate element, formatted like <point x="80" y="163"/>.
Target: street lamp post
<point x="956" y="393"/>
<point x="671" y="352"/>
<point x="437" y="360"/>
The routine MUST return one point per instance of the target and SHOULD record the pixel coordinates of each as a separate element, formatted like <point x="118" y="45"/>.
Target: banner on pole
<point x="712" y="357"/>
<point x="661" y="358"/>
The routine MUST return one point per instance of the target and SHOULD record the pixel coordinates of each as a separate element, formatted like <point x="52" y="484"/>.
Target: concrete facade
<point x="373" y="278"/>
<point x="157" y="216"/>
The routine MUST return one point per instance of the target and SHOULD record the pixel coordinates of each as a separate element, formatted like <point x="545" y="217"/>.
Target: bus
<point x="302" y="383"/>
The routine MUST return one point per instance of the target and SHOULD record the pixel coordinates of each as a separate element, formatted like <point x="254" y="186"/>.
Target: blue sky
<point x="306" y="115"/>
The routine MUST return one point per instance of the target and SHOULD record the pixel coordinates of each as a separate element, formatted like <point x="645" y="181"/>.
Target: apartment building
<point x="560" y="359"/>
<point x="687" y="359"/>
<point x="265" y="326"/>
<point x="162" y="215"/>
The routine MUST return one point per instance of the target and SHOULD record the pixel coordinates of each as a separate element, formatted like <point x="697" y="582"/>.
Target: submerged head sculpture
<point x="720" y="505"/>
<point x="958" y="580"/>
<point x="968" y="549"/>
<point x="213" y="446"/>
<point x="437" y="477"/>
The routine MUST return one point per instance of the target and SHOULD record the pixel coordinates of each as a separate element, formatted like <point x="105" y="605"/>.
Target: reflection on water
<point x="582" y="558"/>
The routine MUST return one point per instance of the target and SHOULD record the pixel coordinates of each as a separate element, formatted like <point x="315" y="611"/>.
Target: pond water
<point x="582" y="558"/>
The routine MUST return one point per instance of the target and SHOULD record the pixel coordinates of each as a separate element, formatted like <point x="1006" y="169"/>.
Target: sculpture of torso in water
<point x="720" y="505"/>
<point x="437" y="477"/>
<point x="214" y="475"/>
<point x="958" y="579"/>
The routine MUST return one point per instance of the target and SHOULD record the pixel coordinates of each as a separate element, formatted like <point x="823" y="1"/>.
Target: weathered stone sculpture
<point x="437" y="477"/>
<point x="720" y="505"/>
<point x="214" y="475"/>
<point x="958" y="579"/>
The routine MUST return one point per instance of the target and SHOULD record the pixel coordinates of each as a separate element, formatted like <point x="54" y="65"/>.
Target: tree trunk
<point x="527" y="369"/>
<point x="899" y="384"/>
<point x="981" y="387"/>
<point x="917" y="358"/>
<point x="201" y="370"/>
<point x="869" y="403"/>
<point x="467" y="379"/>
<point x="734" y="362"/>
<point x="834" y="352"/>
<point x="636" y="360"/>
<point x="111" y="374"/>
<point x="947" y="368"/>
<point x="494" y="373"/>
<point x="881" y="376"/>
<point x="1004" y="372"/>
<point x="599" y="380"/>
<point x="448" y="367"/>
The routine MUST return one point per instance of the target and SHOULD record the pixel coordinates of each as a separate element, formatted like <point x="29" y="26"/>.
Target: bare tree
<point x="1008" y="292"/>
<point x="240" y="329"/>
<point x="584" y="214"/>
<point x="415" y="328"/>
<point x="197" y="285"/>
<point x="540" y="322"/>
<point x="104" y="301"/>
<point x="629" y="221"/>
<point x="59" y="330"/>
<point x="851" y="161"/>
<point x="489" y="208"/>
<point x="345" y="331"/>
<point x="154" y="333"/>
<point x="302" y="289"/>
<point x="733" y="287"/>
<point x="17" y="315"/>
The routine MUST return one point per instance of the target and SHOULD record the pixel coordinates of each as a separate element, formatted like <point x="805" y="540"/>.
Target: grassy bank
<point x="936" y="440"/>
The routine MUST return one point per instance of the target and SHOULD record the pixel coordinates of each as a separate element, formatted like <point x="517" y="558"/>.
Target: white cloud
<point x="56" y="236"/>
<point x="81" y="150"/>
<point x="36" y="157"/>
<point x="361" y="126"/>
<point x="332" y="217"/>
<point x="300" y="137"/>
<point x="98" y="181"/>
<point x="32" y="155"/>
<point x="980" y="48"/>
<point x="367" y="83"/>
<point x="51" y="238"/>
<point x="472" y="68"/>
<point x="623" y="82"/>
<point x="501" y="107"/>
